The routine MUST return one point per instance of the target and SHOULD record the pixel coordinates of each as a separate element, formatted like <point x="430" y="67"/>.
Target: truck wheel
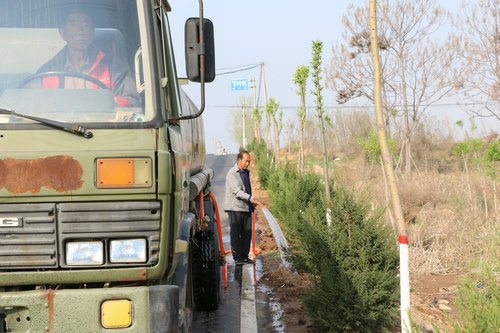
<point x="206" y="265"/>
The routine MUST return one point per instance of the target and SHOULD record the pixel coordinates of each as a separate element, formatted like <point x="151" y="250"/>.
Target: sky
<point x="276" y="32"/>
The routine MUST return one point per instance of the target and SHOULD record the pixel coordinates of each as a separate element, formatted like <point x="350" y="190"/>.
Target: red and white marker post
<point x="404" y="275"/>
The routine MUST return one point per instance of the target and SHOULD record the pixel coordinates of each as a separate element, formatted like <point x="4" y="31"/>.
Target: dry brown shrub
<point x="446" y="230"/>
<point x="420" y="192"/>
<point x="449" y="229"/>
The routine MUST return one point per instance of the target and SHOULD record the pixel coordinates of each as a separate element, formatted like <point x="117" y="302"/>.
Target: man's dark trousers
<point x="241" y="233"/>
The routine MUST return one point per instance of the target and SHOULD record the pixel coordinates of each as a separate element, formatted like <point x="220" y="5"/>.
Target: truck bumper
<point x="129" y="309"/>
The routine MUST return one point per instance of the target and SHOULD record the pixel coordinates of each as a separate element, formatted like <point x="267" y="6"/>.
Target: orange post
<point x="253" y="250"/>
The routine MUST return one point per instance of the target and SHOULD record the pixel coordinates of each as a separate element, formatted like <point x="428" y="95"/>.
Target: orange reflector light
<point x="123" y="172"/>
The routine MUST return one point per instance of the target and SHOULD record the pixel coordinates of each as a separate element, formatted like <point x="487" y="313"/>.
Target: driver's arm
<point x="123" y="85"/>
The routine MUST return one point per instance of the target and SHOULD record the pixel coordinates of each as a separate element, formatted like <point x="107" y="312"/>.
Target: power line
<point x="239" y="70"/>
<point x="235" y="67"/>
<point x="343" y="106"/>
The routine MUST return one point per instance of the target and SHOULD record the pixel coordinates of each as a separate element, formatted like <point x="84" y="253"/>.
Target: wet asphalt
<point x="227" y="317"/>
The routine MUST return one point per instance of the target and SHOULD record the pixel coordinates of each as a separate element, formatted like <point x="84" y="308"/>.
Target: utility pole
<point x="264" y="81"/>
<point x="255" y="111"/>
<point x="268" y="125"/>
<point x="252" y="85"/>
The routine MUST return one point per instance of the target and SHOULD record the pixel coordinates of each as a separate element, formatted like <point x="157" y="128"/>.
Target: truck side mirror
<point x="195" y="48"/>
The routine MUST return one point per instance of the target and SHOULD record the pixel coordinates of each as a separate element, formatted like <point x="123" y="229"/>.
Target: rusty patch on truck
<point x="48" y="296"/>
<point x="61" y="173"/>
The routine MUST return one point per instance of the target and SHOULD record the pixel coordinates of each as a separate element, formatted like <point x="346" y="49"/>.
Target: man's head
<point x="244" y="160"/>
<point x="77" y="30"/>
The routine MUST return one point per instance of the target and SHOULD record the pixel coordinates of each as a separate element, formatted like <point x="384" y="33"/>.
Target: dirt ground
<point x="432" y="296"/>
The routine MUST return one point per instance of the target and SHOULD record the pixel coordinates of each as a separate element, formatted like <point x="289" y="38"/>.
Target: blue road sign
<point x="237" y="85"/>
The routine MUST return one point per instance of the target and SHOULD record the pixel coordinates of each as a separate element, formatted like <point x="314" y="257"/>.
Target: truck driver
<point x="80" y="55"/>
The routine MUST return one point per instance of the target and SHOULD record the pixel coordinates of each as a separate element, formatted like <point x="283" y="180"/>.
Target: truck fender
<point x="182" y="255"/>
<point x="163" y="309"/>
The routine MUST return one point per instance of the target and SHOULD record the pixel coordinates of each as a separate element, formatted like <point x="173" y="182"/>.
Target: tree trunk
<point x="387" y="196"/>
<point x="269" y="144"/>
<point x="387" y="163"/>
<point x="406" y="113"/>
<point x="302" y="123"/>
<point x="301" y="152"/>
<point x="325" y="160"/>
<point x="387" y="112"/>
<point x="256" y="124"/>
<point x="276" y="142"/>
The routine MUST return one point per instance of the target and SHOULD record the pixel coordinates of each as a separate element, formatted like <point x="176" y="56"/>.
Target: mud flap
<point x="164" y="309"/>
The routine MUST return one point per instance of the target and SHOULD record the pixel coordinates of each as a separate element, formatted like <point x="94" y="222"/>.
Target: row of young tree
<point x="421" y="66"/>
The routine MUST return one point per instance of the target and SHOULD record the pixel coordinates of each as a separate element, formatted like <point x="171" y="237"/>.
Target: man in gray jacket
<point x="240" y="206"/>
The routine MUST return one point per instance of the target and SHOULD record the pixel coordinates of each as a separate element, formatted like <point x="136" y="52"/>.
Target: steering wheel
<point x="63" y="74"/>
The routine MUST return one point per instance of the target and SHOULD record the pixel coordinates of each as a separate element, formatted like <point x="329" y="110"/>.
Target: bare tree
<point x="236" y="121"/>
<point x="417" y="70"/>
<point x="350" y="72"/>
<point x="479" y="25"/>
<point x="300" y="79"/>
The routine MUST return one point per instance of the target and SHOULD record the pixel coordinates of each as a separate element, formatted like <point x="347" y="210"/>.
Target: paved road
<point x="228" y="317"/>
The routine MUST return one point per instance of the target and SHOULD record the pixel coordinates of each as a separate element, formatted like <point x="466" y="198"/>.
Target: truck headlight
<point x="128" y="250"/>
<point x="84" y="253"/>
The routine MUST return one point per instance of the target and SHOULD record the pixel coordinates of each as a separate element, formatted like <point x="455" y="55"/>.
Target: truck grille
<point x="110" y="220"/>
<point x="32" y="243"/>
<point x="35" y="245"/>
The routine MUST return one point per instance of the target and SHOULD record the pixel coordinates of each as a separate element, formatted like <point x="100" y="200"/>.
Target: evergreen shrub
<point x="353" y="262"/>
<point x="264" y="161"/>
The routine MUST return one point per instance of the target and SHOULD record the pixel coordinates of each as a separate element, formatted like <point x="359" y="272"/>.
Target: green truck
<point x="106" y="224"/>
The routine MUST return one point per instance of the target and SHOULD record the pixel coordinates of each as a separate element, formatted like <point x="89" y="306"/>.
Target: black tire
<point x="206" y="265"/>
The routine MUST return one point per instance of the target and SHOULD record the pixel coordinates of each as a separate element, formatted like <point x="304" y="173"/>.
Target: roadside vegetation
<point x="452" y="218"/>
<point x="332" y="196"/>
<point x="352" y="258"/>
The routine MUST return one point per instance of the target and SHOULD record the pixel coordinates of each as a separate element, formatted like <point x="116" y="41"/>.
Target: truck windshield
<point x="72" y="61"/>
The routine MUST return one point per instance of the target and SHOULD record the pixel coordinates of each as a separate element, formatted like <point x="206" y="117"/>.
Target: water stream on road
<point x="271" y="309"/>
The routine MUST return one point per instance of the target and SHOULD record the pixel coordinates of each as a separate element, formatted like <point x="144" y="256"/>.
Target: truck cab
<point x="102" y="173"/>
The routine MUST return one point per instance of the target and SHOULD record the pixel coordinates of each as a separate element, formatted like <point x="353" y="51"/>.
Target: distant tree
<point x="278" y="128"/>
<point x="371" y="146"/>
<point x="277" y="119"/>
<point x="417" y="71"/>
<point x="236" y="122"/>
<point x="269" y="143"/>
<point x="257" y="117"/>
<point x="317" y="49"/>
<point x="468" y="150"/>
<point x="300" y="79"/>
<point x="479" y="25"/>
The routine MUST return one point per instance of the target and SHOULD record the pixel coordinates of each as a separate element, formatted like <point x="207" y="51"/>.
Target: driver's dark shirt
<point x="111" y="71"/>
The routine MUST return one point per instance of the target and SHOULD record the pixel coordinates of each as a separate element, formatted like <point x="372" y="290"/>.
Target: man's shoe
<point x="248" y="261"/>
